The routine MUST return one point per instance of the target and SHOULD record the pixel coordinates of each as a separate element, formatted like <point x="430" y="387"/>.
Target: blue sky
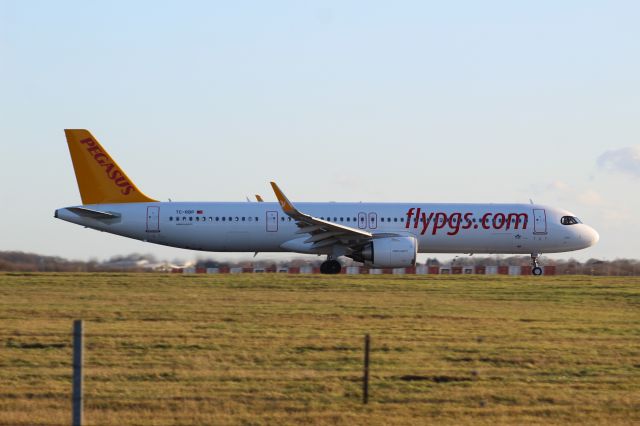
<point x="345" y="101"/>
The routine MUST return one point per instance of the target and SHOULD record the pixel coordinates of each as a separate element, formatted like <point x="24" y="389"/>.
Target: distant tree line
<point x="15" y="261"/>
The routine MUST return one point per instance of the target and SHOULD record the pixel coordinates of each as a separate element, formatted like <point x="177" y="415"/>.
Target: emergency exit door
<point x="272" y="221"/>
<point x="362" y="220"/>
<point x="373" y="220"/>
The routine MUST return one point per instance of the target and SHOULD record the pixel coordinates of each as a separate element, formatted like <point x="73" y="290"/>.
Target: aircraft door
<point x="272" y="221"/>
<point x="153" y="219"/>
<point x="362" y="220"/>
<point x="539" y="221"/>
<point x="373" y="220"/>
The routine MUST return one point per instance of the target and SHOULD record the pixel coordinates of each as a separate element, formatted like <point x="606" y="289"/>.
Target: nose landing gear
<point x="535" y="267"/>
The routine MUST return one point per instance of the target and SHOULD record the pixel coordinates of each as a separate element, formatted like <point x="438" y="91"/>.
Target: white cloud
<point x="566" y="193"/>
<point x="623" y="160"/>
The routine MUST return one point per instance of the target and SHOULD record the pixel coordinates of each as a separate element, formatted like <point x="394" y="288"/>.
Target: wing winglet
<point x="286" y="205"/>
<point x="311" y="224"/>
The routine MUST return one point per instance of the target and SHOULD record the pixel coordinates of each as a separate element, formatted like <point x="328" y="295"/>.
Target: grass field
<point x="288" y="349"/>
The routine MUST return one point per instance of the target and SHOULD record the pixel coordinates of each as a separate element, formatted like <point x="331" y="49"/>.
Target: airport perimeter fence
<point x="89" y="377"/>
<point x="78" y="379"/>
<point x="120" y="374"/>
<point x="425" y="270"/>
<point x="362" y="270"/>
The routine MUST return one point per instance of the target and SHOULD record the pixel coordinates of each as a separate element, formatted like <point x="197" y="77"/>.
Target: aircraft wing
<point x="322" y="232"/>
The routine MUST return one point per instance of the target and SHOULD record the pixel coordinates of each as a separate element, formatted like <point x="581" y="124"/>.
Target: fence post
<point x="77" y="415"/>
<point x="365" y="378"/>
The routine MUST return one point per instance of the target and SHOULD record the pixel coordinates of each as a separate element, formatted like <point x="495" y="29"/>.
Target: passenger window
<point x="256" y="218"/>
<point x="395" y="219"/>
<point x="170" y="218"/>
<point x="282" y="219"/>
<point x="190" y="218"/>
<point x="224" y="218"/>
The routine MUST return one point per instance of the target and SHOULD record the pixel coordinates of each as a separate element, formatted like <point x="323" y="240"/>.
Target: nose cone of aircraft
<point x="591" y="236"/>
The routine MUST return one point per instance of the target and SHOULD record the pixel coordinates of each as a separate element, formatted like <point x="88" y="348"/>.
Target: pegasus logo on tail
<point x="110" y="168"/>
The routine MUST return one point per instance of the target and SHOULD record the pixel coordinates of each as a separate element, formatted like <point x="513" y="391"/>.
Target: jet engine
<point x="389" y="252"/>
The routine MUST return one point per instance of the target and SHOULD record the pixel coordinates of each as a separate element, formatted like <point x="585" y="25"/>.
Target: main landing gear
<point x="535" y="267"/>
<point x="330" y="266"/>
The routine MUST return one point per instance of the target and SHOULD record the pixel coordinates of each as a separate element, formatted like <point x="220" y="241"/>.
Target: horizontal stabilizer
<point x="93" y="214"/>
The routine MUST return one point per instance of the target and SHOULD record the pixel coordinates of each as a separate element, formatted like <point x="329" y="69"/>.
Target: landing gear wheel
<point x="535" y="268"/>
<point x="330" y="267"/>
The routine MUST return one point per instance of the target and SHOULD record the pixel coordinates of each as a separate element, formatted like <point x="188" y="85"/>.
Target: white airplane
<point x="383" y="235"/>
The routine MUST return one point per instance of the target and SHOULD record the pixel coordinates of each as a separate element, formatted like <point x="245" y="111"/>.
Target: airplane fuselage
<point x="262" y="227"/>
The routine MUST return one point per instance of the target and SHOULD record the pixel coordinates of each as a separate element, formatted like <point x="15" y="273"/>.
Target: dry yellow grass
<point x="285" y="349"/>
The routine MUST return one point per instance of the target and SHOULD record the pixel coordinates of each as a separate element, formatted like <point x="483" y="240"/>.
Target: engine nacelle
<point x="390" y="252"/>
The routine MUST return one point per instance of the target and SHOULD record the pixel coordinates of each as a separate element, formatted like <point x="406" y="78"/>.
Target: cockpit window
<point x="569" y="220"/>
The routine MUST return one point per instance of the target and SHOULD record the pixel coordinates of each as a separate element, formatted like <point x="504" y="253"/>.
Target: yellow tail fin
<point x="100" y="179"/>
